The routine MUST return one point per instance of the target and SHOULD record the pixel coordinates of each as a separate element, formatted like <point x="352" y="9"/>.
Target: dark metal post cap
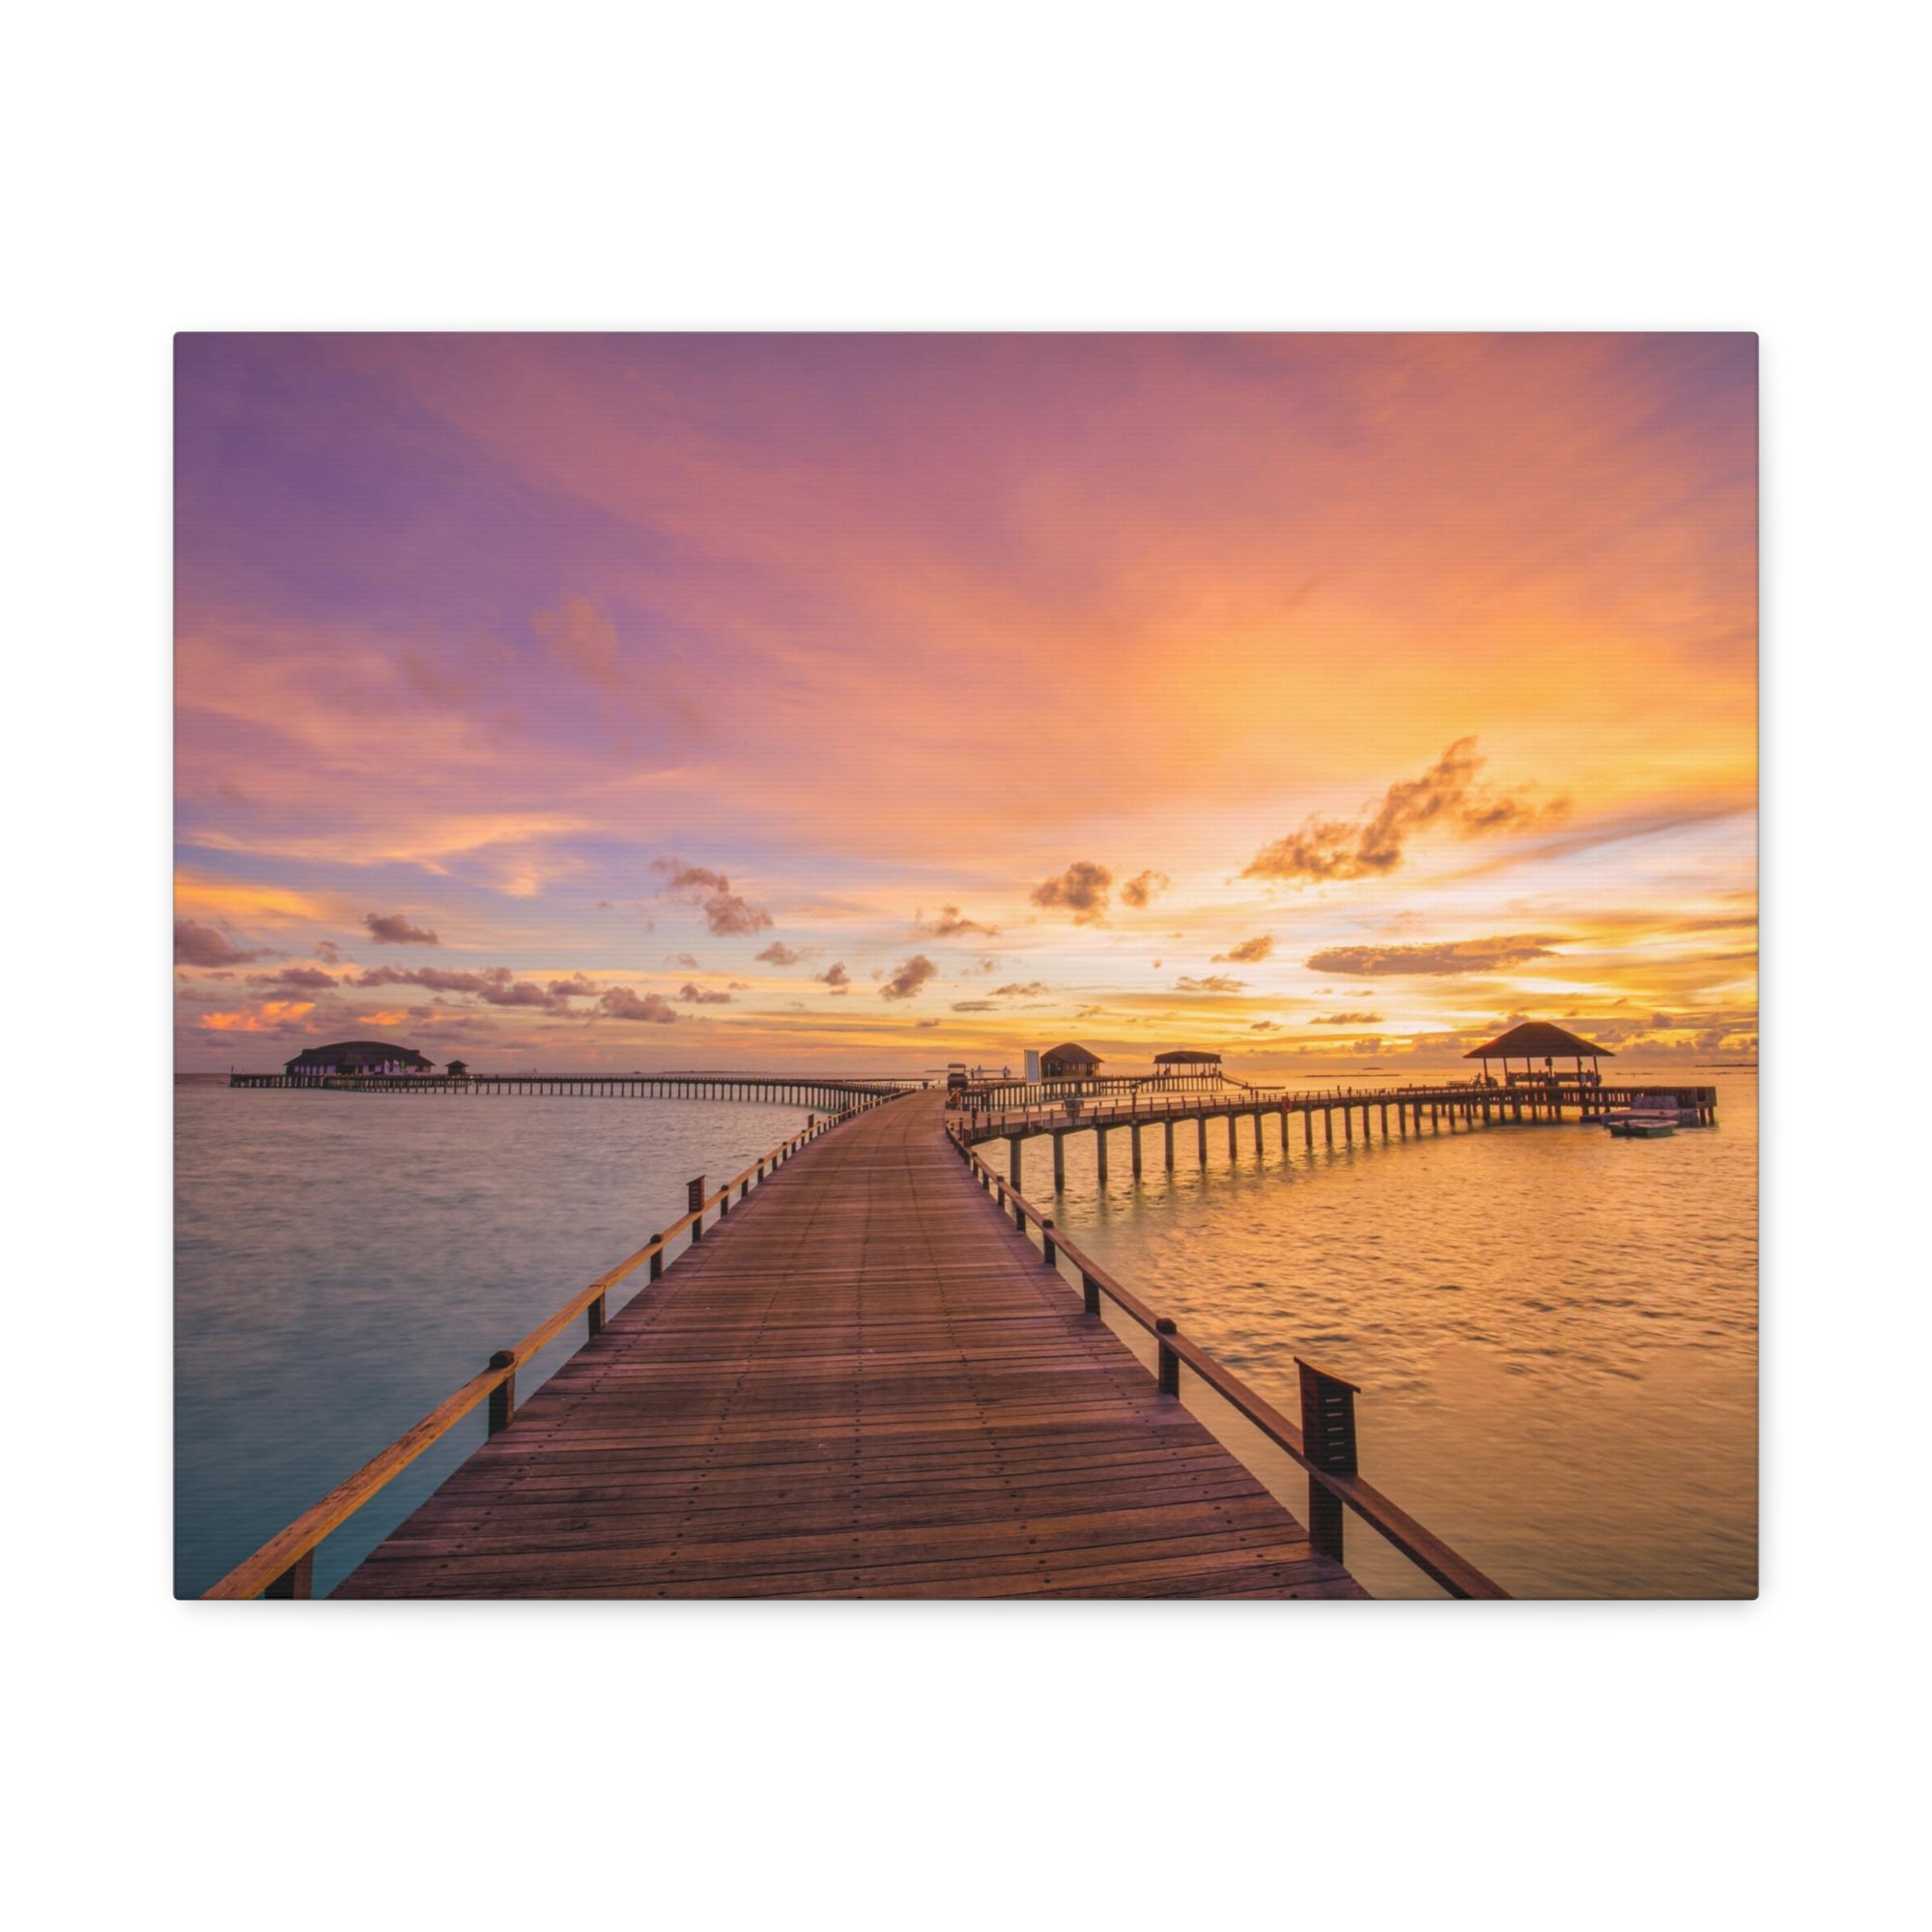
<point x="1165" y="1326"/>
<point x="503" y="1358"/>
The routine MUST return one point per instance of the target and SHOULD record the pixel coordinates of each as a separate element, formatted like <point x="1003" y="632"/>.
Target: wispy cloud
<point x="1447" y="794"/>
<point x="1462" y="956"/>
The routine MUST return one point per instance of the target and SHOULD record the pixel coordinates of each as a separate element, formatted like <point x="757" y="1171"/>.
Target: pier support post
<point x="1308" y="1130"/>
<point x="1100" y="1152"/>
<point x="1234" y="1147"/>
<point x="1060" y="1163"/>
<point x="1329" y="1125"/>
<point x="503" y="1397"/>
<point x="1258" y="1133"/>
<point x="297" y="1581"/>
<point x="1328" y="1437"/>
<point x="1284" y="1130"/>
<point x="1134" y="1132"/>
<point x="1013" y="1159"/>
<point x="1201" y="1127"/>
<point x="1168" y="1124"/>
<point x="1348" y="1124"/>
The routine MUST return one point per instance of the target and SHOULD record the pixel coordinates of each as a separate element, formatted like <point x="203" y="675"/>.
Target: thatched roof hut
<point x="1187" y="1055"/>
<point x="1539" y="1039"/>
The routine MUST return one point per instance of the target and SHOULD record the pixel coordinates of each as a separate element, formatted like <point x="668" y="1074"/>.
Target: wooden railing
<point x="284" y="1565"/>
<point x="1324" y="1443"/>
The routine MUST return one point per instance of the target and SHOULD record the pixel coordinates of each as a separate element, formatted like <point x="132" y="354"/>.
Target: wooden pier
<point x="863" y="1380"/>
<point x="1398" y="1113"/>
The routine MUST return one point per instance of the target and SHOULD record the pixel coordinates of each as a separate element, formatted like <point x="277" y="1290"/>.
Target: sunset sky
<point x="873" y="701"/>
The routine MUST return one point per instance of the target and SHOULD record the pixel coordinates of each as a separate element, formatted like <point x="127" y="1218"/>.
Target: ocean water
<point x="345" y="1260"/>
<point x="1555" y="1332"/>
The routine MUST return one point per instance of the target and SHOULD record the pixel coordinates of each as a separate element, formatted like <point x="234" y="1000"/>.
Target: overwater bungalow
<point x="1067" y="1062"/>
<point x="356" y="1055"/>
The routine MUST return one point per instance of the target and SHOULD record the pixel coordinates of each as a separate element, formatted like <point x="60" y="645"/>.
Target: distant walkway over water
<point x="1462" y="1104"/>
<point x="831" y="1092"/>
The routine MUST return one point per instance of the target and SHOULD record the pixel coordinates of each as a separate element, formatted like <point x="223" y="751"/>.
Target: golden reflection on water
<point x="1555" y="1332"/>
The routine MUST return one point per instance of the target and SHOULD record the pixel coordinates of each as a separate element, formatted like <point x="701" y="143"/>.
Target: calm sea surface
<point x="1555" y="1333"/>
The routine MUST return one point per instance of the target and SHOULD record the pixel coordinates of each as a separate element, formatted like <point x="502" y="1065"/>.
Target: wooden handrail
<point x="1422" y="1546"/>
<point x="285" y="1558"/>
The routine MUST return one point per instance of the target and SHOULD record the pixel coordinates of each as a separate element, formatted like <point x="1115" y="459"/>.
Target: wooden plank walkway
<point x="866" y="1382"/>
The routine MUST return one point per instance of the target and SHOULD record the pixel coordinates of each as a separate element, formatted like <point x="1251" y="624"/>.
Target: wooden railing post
<point x="297" y="1580"/>
<point x="503" y="1397"/>
<point x="1328" y="1437"/>
<point x="694" y="1203"/>
<point x="1046" y="1239"/>
<point x="657" y="1259"/>
<point x="594" y="1315"/>
<point x="1170" y="1362"/>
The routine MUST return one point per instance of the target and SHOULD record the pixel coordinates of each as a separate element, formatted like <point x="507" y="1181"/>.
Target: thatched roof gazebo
<point x="1539" y="1039"/>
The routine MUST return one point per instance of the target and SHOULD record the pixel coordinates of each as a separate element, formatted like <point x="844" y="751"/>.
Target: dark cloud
<point x="693" y="995"/>
<point x="835" y="977"/>
<point x="1144" y="887"/>
<point x="576" y="987"/>
<point x="303" y="979"/>
<point x="687" y="960"/>
<point x="1261" y="1025"/>
<point x="1464" y="955"/>
<point x="621" y="1003"/>
<point x="1214" y="983"/>
<point x="976" y="1005"/>
<point x="1346" y="1019"/>
<point x="495" y="985"/>
<point x="1448" y="794"/>
<point x="726" y="912"/>
<point x="949" y="924"/>
<point x="328" y="953"/>
<point x="1081" y="890"/>
<point x="391" y="928"/>
<point x="907" y="980"/>
<point x="1249" y="953"/>
<point x="779" y="953"/>
<point x="924" y="1023"/>
<point x="1017" y="991"/>
<point x="197" y="945"/>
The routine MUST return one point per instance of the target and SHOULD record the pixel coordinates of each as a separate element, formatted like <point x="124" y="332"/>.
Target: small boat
<point x="1643" y="1127"/>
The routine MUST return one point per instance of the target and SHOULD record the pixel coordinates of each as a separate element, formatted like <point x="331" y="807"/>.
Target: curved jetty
<point x="863" y="1382"/>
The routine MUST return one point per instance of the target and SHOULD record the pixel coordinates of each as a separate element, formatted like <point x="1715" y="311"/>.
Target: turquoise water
<point x="1555" y="1332"/>
<point x="345" y="1260"/>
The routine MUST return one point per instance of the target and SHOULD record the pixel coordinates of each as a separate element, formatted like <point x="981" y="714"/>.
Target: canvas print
<point x="1036" y="966"/>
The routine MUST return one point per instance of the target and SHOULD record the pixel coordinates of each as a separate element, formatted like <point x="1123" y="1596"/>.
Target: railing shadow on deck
<point x="284" y="1565"/>
<point x="1324" y="1443"/>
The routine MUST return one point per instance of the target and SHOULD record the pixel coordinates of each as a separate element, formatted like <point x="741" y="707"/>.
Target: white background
<point x="1043" y="166"/>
